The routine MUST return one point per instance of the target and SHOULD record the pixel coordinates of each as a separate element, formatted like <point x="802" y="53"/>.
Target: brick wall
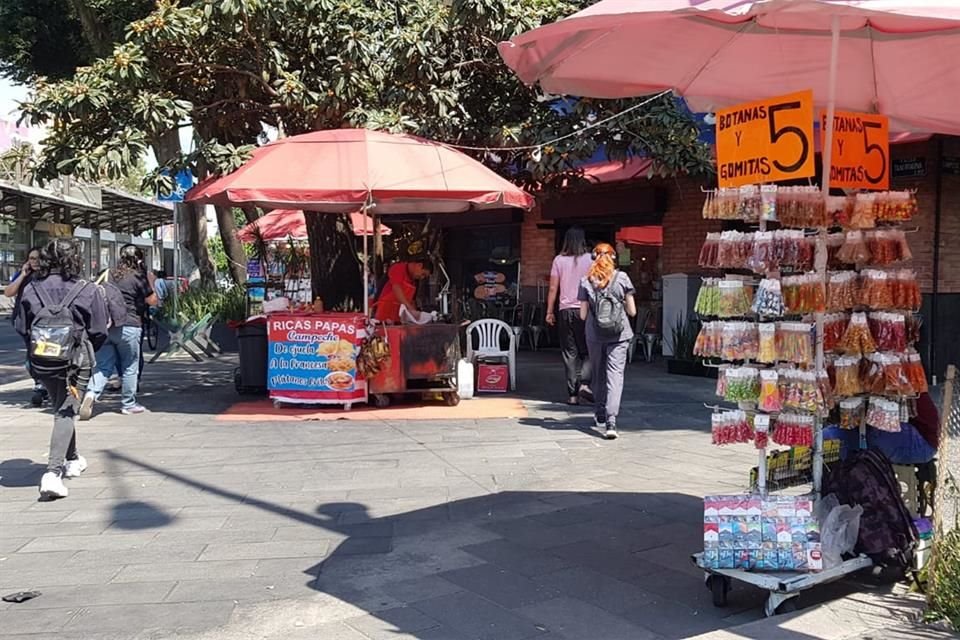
<point x="684" y="228"/>
<point x="921" y="242"/>
<point x="537" y="248"/>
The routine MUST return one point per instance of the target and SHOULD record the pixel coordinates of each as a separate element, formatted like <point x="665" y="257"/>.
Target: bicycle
<point x="151" y="332"/>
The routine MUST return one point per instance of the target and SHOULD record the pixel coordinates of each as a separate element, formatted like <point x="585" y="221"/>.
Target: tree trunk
<point x="236" y="257"/>
<point x="251" y="212"/>
<point x="194" y="225"/>
<point x="194" y="240"/>
<point x="335" y="273"/>
<point x="94" y="31"/>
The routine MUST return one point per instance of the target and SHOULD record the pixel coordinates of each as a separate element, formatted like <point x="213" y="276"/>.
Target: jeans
<point x="609" y="360"/>
<point x="573" y="346"/>
<point x="120" y="352"/>
<point x="906" y="446"/>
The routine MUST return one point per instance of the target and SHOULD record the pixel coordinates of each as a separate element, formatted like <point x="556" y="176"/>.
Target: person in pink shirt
<point x="569" y="268"/>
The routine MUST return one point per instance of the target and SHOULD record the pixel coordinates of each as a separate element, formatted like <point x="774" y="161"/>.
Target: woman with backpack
<point x="607" y="304"/>
<point x="64" y="320"/>
<point x="568" y="269"/>
<point x="131" y="282"/>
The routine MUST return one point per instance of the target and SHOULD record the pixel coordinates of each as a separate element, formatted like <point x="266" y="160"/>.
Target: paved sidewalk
<point x="185" y="526"/>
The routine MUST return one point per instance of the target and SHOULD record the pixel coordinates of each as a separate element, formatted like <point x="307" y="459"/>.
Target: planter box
<point x="690" y="368"/>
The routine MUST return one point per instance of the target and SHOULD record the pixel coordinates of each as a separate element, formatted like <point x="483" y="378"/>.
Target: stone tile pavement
<point x="187" y="527"/>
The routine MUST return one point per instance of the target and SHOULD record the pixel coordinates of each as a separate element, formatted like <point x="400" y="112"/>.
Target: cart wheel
<point x="381" y="400"/>
<point x="277" y="404"/>
<point x="787" y="606"/>
<point x="451" y="399"/>
<point x="719" y="586"/>
<point x="348" y="406"/>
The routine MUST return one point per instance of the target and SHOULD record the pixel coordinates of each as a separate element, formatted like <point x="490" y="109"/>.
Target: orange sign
<point x="861" y="150"/>
<point x="766" y="141"/>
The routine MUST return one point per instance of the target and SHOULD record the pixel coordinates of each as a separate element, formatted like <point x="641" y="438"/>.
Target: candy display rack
<point x="752" y="323"/>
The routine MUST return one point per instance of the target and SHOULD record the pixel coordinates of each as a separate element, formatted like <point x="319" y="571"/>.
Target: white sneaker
<point x="612" y="431"/>
<point x="86" y="406"/>
<point x="73" y="468"/>
<point x="52" y="487"/>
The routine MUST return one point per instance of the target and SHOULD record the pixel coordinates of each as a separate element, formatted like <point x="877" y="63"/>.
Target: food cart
<point x="423" y="359"/>
<point x="347" y="171"/>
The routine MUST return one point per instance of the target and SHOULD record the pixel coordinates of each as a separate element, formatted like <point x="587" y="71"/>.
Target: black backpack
<point x="608" y="311"/>
<point x="56" y="341"/>
<point x="887" y="532"/>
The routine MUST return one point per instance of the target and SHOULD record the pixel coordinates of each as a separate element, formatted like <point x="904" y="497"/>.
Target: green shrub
<point x="945" y="598"/>
<point x="196" y="302"/>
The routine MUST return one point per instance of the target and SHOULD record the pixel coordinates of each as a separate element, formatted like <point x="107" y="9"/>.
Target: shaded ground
<point x="186" y="526"/>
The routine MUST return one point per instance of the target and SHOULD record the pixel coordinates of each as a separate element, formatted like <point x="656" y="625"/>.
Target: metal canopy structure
<point x="79" y="205"/>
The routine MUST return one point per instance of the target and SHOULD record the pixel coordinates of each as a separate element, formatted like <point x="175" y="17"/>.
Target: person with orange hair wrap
<point x="607" y="304"/>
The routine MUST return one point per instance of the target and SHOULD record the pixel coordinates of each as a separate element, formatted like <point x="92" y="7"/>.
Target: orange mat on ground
<point x="476" y="409"/>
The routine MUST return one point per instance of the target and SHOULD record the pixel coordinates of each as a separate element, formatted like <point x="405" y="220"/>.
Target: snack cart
<point x="423" y="359"/>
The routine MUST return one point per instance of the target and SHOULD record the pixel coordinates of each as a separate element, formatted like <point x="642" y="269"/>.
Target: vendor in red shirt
<point x="400" y="289"/>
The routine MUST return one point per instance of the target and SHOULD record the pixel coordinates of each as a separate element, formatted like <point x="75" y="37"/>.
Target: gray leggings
<point x="609" y="359"/>
<point x="63" y="440"/>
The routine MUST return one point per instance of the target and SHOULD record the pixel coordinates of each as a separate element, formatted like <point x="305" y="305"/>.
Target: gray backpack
<point x="608" y="311"/>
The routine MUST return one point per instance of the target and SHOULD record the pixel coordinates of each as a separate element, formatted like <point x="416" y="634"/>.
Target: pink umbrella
<point x="290" y="223"/>
<point x="895" y="57"/>
<point x="344" y="170"/>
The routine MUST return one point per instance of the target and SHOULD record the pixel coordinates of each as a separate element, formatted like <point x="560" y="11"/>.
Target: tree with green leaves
<point x="233" y="69"/>
<point x="51" y="38"/>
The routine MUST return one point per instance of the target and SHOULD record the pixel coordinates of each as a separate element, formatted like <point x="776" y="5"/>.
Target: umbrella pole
<point x="366" y="268"/>
<point x="821" y="262"/>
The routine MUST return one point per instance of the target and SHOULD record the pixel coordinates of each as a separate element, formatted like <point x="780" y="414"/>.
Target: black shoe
<point x="39" y="395"/>
<point x="586" y="394"/>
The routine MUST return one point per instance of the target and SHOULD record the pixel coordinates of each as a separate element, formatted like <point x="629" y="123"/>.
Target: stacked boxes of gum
<point x="750" y="532"/>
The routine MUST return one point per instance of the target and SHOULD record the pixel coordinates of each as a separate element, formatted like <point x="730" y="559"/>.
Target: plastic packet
<point x="852" y="413"/>
<point x="769" y="299"/>
<point x="864" y="216"/>
<point x="767" y="349"/>
<point x="847" y="376"/>
<point x="769" y="391"/>
<point x="883" y="414"/>
<point x="768" y="202"/>
<point x="709" y="252"/>
<point x="855" y="249"/>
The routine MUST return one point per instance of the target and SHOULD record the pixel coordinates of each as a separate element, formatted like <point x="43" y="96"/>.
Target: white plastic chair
<point x="490" y="333"/>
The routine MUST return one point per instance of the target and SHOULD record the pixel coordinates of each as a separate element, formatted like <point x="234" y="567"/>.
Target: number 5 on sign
<point x="861" y="150"/>
<point x="766" y="141"/>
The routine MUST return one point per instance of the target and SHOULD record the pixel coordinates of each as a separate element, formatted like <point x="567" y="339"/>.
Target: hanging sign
<point x="909" y="168"/>
<point x="861" y="150"/>
<point x="766" y="141"/>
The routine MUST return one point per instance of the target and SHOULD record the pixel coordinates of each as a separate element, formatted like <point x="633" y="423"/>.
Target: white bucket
<point x="465" y="379"/>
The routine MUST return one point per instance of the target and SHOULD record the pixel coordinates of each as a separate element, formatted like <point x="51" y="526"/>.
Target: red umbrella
<point x="290" y="223"/>
<point x="344" y="170"/>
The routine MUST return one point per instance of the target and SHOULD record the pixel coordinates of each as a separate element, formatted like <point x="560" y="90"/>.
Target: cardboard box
<point x="492" y="378"/>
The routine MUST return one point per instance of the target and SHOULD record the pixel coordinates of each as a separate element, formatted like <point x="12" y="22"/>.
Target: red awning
<point x="650" y="235"/>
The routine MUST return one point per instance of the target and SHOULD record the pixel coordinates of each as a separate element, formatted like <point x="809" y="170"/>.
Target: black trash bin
<point x="251" y="375"/>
